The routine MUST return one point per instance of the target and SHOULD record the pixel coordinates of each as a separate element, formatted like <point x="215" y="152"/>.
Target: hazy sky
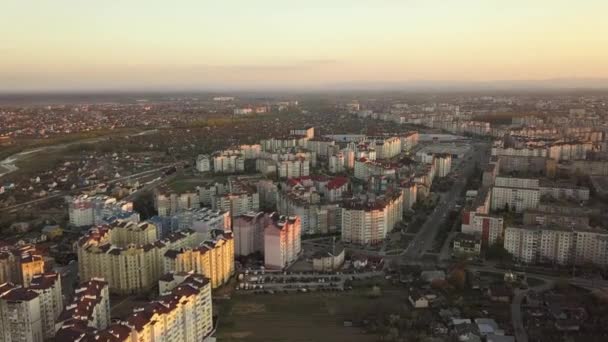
<point x="131" y="44"/>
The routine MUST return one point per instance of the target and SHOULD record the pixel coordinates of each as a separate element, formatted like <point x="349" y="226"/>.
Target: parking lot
<point x="273" y="282"/>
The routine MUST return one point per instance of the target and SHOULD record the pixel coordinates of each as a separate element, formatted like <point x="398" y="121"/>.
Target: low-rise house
<point x="500" y="293"/>
<point x="418" y="299"/>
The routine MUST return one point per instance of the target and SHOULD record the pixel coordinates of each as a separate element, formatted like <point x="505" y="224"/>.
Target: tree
<point x="457" y="278"/>
<point x="498" y="252"/>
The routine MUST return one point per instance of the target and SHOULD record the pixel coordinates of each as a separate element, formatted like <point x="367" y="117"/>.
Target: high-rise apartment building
<point x="213" y="258"/>
<point x="48" y="288"/>
<point x="20" y="317"/>
<point x="282" y="242"/>
<point x="368" y="222"/>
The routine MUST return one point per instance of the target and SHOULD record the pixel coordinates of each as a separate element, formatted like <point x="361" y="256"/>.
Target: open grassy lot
<point x="305" y="317"/>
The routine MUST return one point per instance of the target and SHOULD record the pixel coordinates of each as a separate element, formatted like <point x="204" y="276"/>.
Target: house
<point x="418" y="300"/>
<point x="467" y="245"/>
<point x="500" y="293"/>
<point x="487" y="326"/>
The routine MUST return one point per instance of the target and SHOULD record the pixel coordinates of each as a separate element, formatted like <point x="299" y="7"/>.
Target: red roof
<point x="337" y="182"/>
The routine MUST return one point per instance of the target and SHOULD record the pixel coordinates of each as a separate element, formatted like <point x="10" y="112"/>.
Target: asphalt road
<point x="425" y="238"/>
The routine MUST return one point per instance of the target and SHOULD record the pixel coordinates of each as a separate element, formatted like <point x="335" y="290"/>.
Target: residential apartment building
<point x="282" y="241"/>
<point x="202" y="220"/>
<point x="557" y="245"/>
<point x="386" y="147"/>
<point x="337" y="163"/>
<point x="516" y="199"/>
<point x="203" y="163"/>
<point x="19" y="264"/>
<point x="213" y="258"/>
<point x="90" y="210"/>
<point x="308" y="132"/>
<point x="569" y="150"/>
<point x="226" y="162"/>
<point x="90" y="306"/>
<point x="183" y="313"/>
<point x="409" y="140"/>
<point x="489" y="228"/>
<point x="368" y="222"/>
<point x="293" y="168"/>
<point x="409" y="190"/>
<point x="321" y="146"/>
<point x="169" y="204"/>
<point x="365" y="168"/>
<point x="305" y="202"/>
<point x="248" y="232"/>
<point x="563" y="191"/>
<point x="237" y="203"/>
<point x="20" y="317"/>
<point x="128" y="266"/>
<point x="48" y="288"/>
<point x="443" y="164"/>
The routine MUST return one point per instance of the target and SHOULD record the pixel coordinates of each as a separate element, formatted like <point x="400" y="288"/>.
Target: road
<point x="426" y="236"/>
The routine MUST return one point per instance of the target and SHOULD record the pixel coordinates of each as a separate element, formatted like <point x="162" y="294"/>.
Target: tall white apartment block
<point x="237" y="203"/>
<point x="48" y="288"/>
<point x="293" y="168"/>
<point x="90" y="210"/>
<point x="203" y="163"/>
<point x="337" y="163"/>
<point x="20" y="316"/>
<point x="443" y="164"/>
<point x="282" y="244"/>
<point x="308" y="132"/>
<point x="248" y="232"/>
<point x="517" y="199"/>
<point x="369" y="222"/>
<point x="489" y="228"/>
<point x="169" y="204"/>
<point x="557" y="245"/>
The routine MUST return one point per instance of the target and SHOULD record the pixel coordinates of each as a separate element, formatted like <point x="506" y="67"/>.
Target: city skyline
<point x="67" y="45"/>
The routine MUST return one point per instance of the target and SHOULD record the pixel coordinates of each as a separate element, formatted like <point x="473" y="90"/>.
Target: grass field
<point x="304" y="317"/>
<point x="184" y="184"/>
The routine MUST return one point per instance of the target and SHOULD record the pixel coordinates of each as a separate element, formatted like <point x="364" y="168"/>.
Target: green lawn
<point x="304" y="317"/>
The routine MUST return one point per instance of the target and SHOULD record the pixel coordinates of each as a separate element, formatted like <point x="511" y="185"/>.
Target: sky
<point x="256" y="44"/>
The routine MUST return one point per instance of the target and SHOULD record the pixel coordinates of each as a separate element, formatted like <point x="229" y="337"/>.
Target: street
<point x="427" y="234"/>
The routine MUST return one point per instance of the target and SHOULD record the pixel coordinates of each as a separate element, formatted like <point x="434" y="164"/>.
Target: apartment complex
<point x="282" y="242"/>
<point x="489" y="228"/>
<point x="183" y="313"/>
<point x="91" y="210"/>
<point x="248" y="232"/>
<point x="201" y="220"/>
<point x="19" y="264"/>
<point x="213" y="258"/>
<point x="169" y="204"/>
<point x="368" y="222"/>
<point x="557" y="245"/>
<point x="128" y="257"/>
<point x="48" y="288"/>
<point x="237" y="203"/>
<point x="20" y="316"/>
<point x="365" y="168"/>
<point x="89" y="308"/>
